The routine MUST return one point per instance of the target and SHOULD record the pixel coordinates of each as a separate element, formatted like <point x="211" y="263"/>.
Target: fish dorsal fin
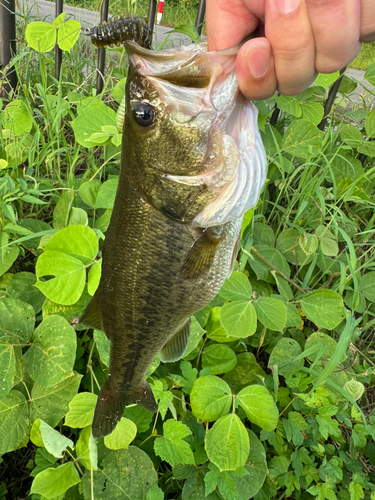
<point x="199" y="259"/>
<point x="174" y="349"/>
<point x="91" y="317"/>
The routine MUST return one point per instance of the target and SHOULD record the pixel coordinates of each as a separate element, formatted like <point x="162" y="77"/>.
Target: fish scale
<point x="181" y="158"/>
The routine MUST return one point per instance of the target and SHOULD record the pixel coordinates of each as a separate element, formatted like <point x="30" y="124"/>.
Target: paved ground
<point x="45" y="10"/>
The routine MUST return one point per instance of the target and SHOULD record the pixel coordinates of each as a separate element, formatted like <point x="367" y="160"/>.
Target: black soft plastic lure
<point x="120" y="29"/>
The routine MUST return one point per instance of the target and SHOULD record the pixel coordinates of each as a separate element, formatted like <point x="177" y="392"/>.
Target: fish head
<point x="190" y="139"/>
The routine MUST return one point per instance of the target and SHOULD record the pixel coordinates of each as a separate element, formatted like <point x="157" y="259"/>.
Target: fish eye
<point x="144" y="114"/>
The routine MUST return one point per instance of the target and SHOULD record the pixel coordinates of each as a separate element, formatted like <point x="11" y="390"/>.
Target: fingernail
<point x="258" y="60"/>
<point x="287" y="6"/>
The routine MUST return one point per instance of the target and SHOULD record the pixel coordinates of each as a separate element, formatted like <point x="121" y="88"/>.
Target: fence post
<point x="151" y="14"/>
<point x="200" y="16"/>
<point x="8" y="42"/>
<point x="101" y="52"/>
<point x="58" y="51"/>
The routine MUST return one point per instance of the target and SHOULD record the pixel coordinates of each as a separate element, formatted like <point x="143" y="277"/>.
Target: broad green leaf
<point x="355" y="389"/>
<point x="210" y="398"/>
<point x="236" y="287"/>
<point x="9" y="256"/>
<point x="62" y="209"/>
<point x="329" y="247"/>
<point x="18" y="118"/>
<point x="22" y="287"/>
<point x="40" y="36"/>
<point x="370" y="124"/>
<point x="351" y="135"/>
<point x="326" y="80"/>
<point x="271" y="313"/>
<point x="246" y="372"/>
<point x="302" y="139"/>
<point x="324" y="307"/>
<point x="370" y="74"/>
<point x="321" y="339"/>
<point x="79" y="242"/>
<point x="122" y="436"/>
<point x="81" y="410"/>
<point x="356" y="491"/>
<point x="94" y="277"/>
<point x="102" y="344"/>
<point x="248" y="485"/>
<point x="273" y="256"/>
<point x="218" y="358"/>
<point x="51" y="483"/>
<point x="17" y="321"/>
<point x="51" y="358"/>
<point x="43" y="460"/>
<point x="54" y="442"/>
<point x="88" y="191"/>
<point x="312" y="111"/>
<point x="263" y="235"/>
<point x="294" y="425"/>
<point x="293" y="317"/>
<point x="71" y="313"/>
<point x="227" y="443"/>
<point x="51" y="403"/>
<point x="91" y="119"/>
<point x="367" y="285"/>
<point x="124" y="475"/>
<point x="214" y="329"/>
<point x="259" y="406"/>
<point x="140" y="416"/>
<point x="14" y="421"/>
<point x="7" y="369"/>
<point x="308" y="242"/>
<point x="155" y="493"/>
<point x="283" y="287"/>
<point x="288" y="244"/>
<point x="67" y="34"/>
<point x="68" y="281"/>
<point x="106" y="194"/>
<point x="196" y="333"/>
<point x="284" y="354"/>
<point x="239" y="319"/>
<point x="171" y="447"/>
<point x="83" y="447"/>
<point x="289" y="104"/>
<point x="77" y="216"/>
<point x="59" y="20"/>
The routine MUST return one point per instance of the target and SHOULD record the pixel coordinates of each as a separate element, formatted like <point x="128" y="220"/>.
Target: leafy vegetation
<point x="274" y="396"/>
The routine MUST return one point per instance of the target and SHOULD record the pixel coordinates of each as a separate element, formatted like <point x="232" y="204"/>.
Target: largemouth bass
<point x="192" y="164"/>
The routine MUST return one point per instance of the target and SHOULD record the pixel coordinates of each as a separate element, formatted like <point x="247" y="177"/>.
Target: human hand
<point x="301" y="38"/>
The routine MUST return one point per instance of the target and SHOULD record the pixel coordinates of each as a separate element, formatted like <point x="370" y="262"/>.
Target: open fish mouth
<point x="201" y="89"/>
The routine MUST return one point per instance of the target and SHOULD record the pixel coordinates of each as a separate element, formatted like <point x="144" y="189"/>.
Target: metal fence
<point x="8" y="49"/>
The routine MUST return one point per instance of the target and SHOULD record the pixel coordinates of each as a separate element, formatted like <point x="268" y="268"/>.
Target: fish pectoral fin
<point x="174" y="349"/>
<point x="91" y="317"/>
<point x="199" y="259"/>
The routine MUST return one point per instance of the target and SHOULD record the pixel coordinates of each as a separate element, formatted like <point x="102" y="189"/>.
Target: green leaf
<point x="68" y="281"/>
<point x="355" y="389"/>
<point x="370" y="124"/>
<point x="294" y="425"/>
<point x="236" y="287"/>
<point x="214" y="329"/>
<point x="370" y="74"/>
<point x="196" y="333"/>
<point x="218" y="358"/>
<point x="22" y="287"/>
<point x="263" y="235"/>
<point x="106" y="194"/>
<point x="324" y="307"/>
<point x="77" y="216"/>
<point x="309" y="243"/>
<point x="14" y="421"/>
<point x="122" y="436"/>
<point x="312" y="111"/>
<point x="88" y="191"/>
<point x="356" y="491"/>
<point x="284" y="354"/>
<point x="326" y="80"/>
<point x="62" y="209"/>
<point x="288" y="244"/>
<point x="81" y="410"/>
<point x="67" y="34"/>
<point x="17" y="321"/>
<point x="124" y="475"/>
<point x="51" y="483"/>
<point x="53" y="441"/>
<point x="94" y="277"/>
<point x="171" y="447"/>
<point x="140" y="416"/>
<point x="289" y="104"/>
<point x="51" y="358"/>
<point x="91" y="119"/>
<point x="7" y="369"/>
<point x="246" y="372"/>
<point x="51" y="403"/>
<point x="17" y="117"/>
<point x="9" y="256"/>
<point x="367" y="285"/>
<point x="227" y="443"/>
<point x="239" y="319"/>
<point x="273" y="256"/>
<point x="302" y="139"/>
<point x="59" y="20"/>
<point x="210" y="398"/>
<point x="40" y="36"/>
<point x="351" y="135"/>
<point x="271" y="313"/>
<point x="328" y="346"/>
<point x="103" y="345"/>
<point x="83" y="448"/>
<point x="79" y="242"/>
<point x="259" y="406"/>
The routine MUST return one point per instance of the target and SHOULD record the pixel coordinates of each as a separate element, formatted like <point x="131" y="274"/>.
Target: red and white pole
<point x="160" y="11"/>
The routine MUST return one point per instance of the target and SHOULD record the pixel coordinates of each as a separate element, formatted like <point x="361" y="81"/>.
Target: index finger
<point x="228" y="22"/>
